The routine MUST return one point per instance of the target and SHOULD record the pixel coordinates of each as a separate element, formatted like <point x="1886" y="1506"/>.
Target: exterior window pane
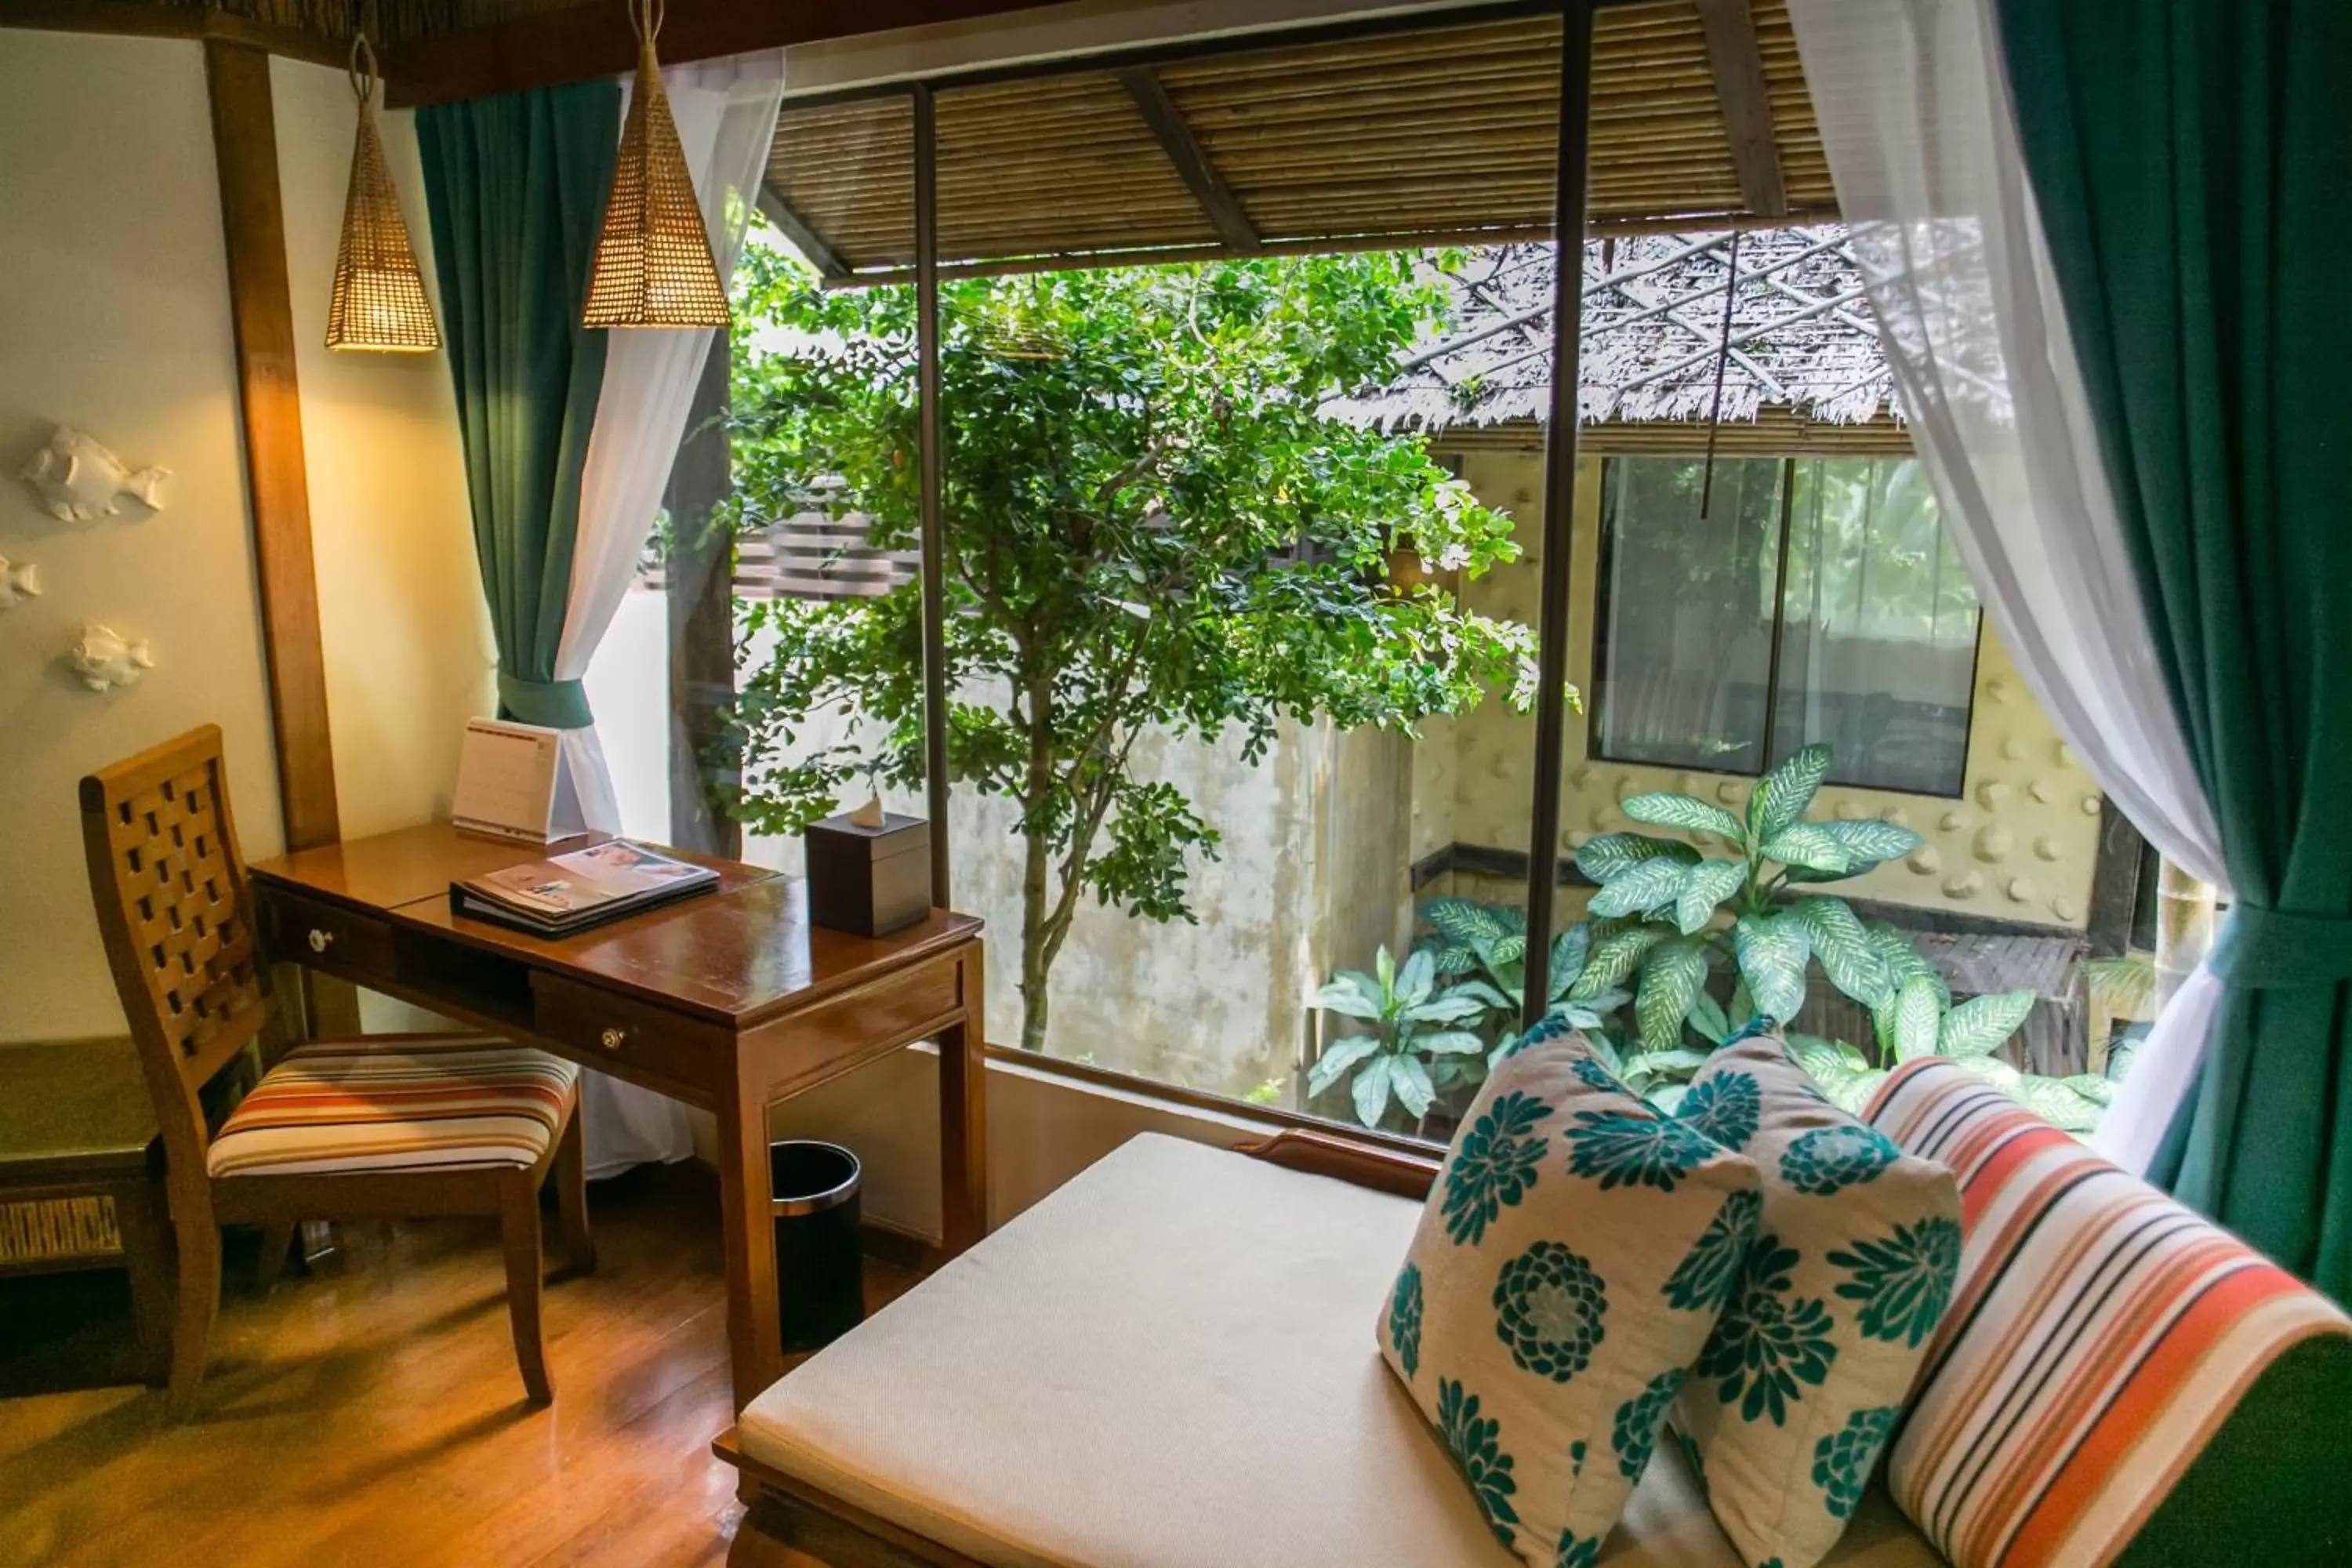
<point x="1686" y="612"/>
<point x="1878" y="637"/>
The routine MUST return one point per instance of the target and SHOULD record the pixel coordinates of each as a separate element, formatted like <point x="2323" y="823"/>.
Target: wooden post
<point x="1560" y="499"/>
<point x="253" y="229"/>
<point x="700" y="606"/>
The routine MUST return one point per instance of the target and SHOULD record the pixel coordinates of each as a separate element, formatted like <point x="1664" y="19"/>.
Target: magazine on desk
<point x="567" y="893"/>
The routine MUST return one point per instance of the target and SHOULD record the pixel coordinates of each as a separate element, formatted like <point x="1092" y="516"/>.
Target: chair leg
<point x="518" y="1226"/>
<point x="277" y="1240"/>
<point x="191" y="1316"/>
<point x="571" y="1199"/>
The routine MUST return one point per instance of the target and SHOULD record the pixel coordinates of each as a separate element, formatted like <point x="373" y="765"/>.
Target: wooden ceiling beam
<point x="581" y="42"/>
<point x="1737" y="66"/>
<point x="1218" y="203"/>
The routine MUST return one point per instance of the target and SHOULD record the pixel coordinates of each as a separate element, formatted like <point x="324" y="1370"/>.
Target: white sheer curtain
<point x="726" y="113"/>
<point x="1915" y="112"/>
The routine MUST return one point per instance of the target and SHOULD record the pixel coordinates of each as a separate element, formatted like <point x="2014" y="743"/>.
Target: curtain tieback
<point x="2275" y="950"/>
<point x="556" y="704"/>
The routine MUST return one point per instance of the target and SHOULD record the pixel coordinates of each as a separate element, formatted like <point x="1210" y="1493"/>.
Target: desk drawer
<point x="327" y="936"/>
<point x="605" y="1026"/>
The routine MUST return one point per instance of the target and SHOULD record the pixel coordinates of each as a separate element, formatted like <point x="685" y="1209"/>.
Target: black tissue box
<point x="868" y="881"/>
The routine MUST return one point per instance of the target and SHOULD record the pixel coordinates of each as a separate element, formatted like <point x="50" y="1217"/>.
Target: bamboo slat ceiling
<point x="1436" y="135"/>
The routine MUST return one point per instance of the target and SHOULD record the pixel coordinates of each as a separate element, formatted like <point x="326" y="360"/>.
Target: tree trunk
<point x="1035" y="916"/>
<point x="2184" y="929"/>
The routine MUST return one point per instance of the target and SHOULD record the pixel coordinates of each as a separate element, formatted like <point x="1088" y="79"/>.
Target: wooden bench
<point x="80" y="1186"/>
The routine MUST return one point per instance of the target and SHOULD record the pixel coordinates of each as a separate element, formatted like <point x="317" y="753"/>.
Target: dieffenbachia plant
<point x="1410" y="1020"/>
<point x="1667" y="917"/>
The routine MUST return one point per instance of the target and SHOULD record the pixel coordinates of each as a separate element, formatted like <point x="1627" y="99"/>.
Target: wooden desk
<point x="730" y="1001"/>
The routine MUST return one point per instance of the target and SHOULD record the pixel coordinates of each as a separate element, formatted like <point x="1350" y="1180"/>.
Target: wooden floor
<point x="372" y="1413"/>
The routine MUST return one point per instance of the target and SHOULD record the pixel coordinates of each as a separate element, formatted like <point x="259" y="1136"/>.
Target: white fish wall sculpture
<point x="80" y="481"/>
<point x="105" y="659"/>
<point x="20" y="582"/>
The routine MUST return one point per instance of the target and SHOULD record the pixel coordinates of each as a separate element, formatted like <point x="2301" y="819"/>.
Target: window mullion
<point x="1779" y="617"/>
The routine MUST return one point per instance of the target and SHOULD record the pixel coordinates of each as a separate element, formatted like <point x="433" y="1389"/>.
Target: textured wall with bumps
<point x="2020" y="843"/>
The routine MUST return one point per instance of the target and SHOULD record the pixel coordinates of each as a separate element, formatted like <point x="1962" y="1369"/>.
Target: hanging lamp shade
<point x="653" y="267"/>
<point x="379" y="302"/>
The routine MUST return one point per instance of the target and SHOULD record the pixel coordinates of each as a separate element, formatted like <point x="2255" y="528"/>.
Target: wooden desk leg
<point x="963" y="1114"/>
<point x="753" y="1330"/>
<point x="146" y="1243"/>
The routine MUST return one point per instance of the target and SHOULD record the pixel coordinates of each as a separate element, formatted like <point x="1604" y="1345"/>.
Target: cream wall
<point x="2021" y="843"/>
<point x="113" y="319"/>
<point x="403" y="626"/>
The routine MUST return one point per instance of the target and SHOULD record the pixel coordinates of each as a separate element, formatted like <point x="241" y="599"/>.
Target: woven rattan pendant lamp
<point x="654" y="266"/>
<point x="379" y="302"/>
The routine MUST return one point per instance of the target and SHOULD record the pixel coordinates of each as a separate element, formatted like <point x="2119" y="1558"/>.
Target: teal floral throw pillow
<point x="1573" y="1257"/>
<point x="1795" y="1393"/>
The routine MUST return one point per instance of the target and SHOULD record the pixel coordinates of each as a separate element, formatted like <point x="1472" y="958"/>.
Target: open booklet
<point x="566" y="893"/>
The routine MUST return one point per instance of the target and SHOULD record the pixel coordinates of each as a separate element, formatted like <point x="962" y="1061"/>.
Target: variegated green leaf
<point x="1465" y="923"/>
<point x="1351" y="991"/>
<point x="1902" y="957"/>
<point x="1452" y="960"/>
<point x="1410" y="1079"/>
<point x="1994" y="1071"/>
<point x="1710" y="883"/>
<point x="1448" y="1043"/>
<point x="1866" y="844"/>
<point x="1510" y="947"/>
<point x="1370" y="1089"/>
<point x="1609" y="854"/>
<point x="1671" y="976"/>
<point x="1417" y="978"/>
<point x="1781" y="795"/>
<point x="2092" y="1086"/>
<point x="1843" y="947"/>
<point x="1454" y="1006"/>
<point x="1708" y="1018"/>
<point x="1667" y="1099"/>
<point x="1918" y="1016"/>
<point x="2063" y="1107"/>
<point x="1614" y="958"/>
<point x="1807" y="845"/>
<point x="1665" y="809"/>
<point x="1851" y="1092"/>
<point x="1641" y="888"/>
<point x="1772" y="953"/>
<point x="1982" y="1025"/>
<point x="1826" y="1059"/>
<point x="1568" y="951"/>
<point x="1337" y="1059"/>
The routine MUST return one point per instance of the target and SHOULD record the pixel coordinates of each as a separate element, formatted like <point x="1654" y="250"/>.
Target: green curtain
<point x="515" y="187"/>
<point x="2192" y="163"/>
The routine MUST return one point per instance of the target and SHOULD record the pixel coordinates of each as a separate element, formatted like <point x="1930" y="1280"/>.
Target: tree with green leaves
<point x="1148" y="526"/>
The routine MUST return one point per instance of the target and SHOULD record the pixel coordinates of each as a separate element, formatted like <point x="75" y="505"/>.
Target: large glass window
<point x="1835" y="577"/>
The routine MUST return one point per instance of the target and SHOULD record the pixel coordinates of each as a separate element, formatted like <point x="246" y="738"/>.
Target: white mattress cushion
<point x="1163" y="1365"/>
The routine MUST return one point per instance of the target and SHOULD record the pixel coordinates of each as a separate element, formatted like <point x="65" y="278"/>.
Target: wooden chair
<point x="387" y="1127"/>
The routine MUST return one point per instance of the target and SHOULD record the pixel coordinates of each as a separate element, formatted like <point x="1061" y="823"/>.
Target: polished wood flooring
<point x="371" y="1413"/>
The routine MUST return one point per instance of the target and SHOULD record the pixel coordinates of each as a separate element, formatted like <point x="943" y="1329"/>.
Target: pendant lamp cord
<point x="362" y="69"/>
<point x="1722" y="363"/>
<point x="646" y="18"/>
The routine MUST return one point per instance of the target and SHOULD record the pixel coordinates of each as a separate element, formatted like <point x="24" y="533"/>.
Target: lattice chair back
<point x="177" y="918"/>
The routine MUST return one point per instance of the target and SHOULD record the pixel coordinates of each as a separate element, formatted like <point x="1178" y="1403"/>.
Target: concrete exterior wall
<point x="2019" y="844"/>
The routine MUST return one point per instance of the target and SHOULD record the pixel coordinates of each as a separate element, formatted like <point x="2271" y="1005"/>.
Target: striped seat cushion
<point x="398" y="1103"/>
<point x="2100" y="1338"/>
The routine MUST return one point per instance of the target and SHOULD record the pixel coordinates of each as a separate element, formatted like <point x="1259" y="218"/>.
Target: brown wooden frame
<point x="189" y="1021"/>
<point x="787" y="1515"/>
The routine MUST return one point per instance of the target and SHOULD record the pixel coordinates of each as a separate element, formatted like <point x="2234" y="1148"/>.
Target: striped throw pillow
<point x="2102" y="1339"/>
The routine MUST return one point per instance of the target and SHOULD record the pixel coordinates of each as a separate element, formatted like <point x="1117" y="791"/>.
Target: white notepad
<point x="513" y="782"/>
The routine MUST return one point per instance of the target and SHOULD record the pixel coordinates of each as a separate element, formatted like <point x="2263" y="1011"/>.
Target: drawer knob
<point x="613" y="1039"/>
<point x="320" y="940"/>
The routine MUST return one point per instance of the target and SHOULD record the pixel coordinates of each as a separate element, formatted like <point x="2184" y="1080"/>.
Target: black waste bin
<point x="820" y="1290"/>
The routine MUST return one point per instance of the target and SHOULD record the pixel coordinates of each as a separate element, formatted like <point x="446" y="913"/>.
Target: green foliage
<point x="1411" y="1022"/>
<point x="1676" y="929"/>
<point x="1148" y="527"/>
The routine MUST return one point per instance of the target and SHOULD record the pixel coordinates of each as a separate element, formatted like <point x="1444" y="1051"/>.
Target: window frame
<point x="1603" y="608"/>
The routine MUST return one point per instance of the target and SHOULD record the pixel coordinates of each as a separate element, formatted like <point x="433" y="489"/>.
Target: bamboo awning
<point x="1445" y="134"/>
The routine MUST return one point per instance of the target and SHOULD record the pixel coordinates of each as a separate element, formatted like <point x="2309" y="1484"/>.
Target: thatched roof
<point x="1444" y="135"/>
<point x="1803" y="340"/>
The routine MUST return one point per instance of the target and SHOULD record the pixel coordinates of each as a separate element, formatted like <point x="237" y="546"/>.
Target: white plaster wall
<point x="114" y="319"/>
<point x="2021" y="843"/>
<point x="402" y="622"/>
